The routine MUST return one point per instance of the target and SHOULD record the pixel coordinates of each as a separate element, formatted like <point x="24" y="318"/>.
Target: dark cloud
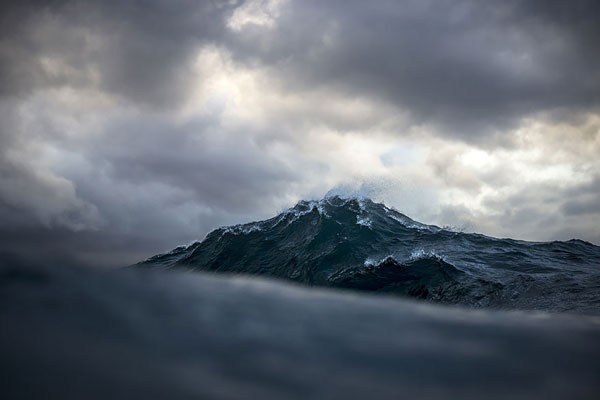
<point x="541" y="212"/>
<point x="467" y="67"/>
<point x="140" y="50"/>
<point x="588" y="206"/>
<point x="106" y="170"/>
<point x="584" y="200"/>
<point x="135" y="185"/>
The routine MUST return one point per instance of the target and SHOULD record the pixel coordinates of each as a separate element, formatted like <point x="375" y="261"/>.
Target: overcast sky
<point x="129" y="127"/>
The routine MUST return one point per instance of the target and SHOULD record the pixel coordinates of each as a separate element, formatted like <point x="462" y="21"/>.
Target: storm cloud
<point x="465" y="66"/>
<point x="129" y="127"/>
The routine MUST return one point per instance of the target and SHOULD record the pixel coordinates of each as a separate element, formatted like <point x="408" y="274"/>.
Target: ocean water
<point x="361" y="245"/>
<point x="331" y="299"/>
<point x="69" y="333"/>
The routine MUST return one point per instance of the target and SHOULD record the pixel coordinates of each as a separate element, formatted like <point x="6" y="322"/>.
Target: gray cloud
<point x="133" y="185"/>
<point x="584" y="200"/>
<point x="588" y="206"/>
<point x="106" y="156"/>
<point x="138" y="50"/>
<point x="468" y="67"/>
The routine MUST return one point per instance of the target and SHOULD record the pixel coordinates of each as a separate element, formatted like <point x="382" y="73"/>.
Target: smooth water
<point x="140" y="334"/>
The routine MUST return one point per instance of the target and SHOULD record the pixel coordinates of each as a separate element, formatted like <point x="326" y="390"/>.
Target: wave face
<point x="361" y="245"/>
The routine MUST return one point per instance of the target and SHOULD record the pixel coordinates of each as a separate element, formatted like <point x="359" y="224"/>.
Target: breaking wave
<point x="361" y="245"/>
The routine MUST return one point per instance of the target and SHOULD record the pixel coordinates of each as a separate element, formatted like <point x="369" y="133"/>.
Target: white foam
<point x="364" y="221"/>
<point x="242" y="229"/>
<point x="409" y="223"/>
<point x="309" y="205"/>
<point x="370" y="262"/>
<point x="420" y="254"/>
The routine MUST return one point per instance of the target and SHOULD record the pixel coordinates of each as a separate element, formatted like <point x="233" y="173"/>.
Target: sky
<point x="130" y="127"/>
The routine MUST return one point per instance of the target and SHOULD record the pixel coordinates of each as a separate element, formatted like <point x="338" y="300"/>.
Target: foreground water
<point x="83" y="334"/>
<point x="361" y="245"/>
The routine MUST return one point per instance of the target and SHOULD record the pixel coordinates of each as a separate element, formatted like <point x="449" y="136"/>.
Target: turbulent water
<point x="361" y="245"/>
<point x="79" y="333"/>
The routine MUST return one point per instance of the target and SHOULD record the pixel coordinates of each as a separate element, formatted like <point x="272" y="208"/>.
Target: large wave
<point x="361" y="245"/>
